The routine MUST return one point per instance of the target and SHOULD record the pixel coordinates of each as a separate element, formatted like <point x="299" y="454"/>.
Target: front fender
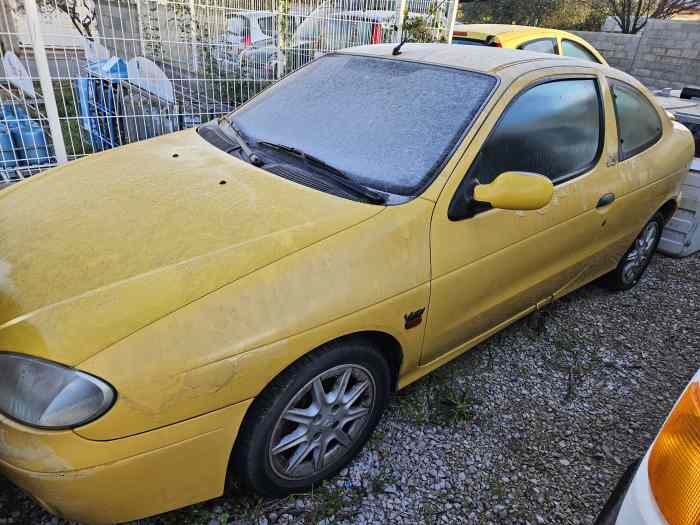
<point x="228" y="346"/>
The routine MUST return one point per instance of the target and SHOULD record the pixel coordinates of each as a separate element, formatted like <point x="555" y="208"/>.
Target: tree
<point x="82" y="13"/>
<point x="632" y="15"/>
<point x="521" y="12"/>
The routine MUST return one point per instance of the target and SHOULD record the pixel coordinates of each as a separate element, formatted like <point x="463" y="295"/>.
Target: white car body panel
<point x="639" y="505"/>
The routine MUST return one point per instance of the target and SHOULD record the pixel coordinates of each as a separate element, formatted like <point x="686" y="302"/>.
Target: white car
<point x="244" y="30"/>
<point x="664" y="487"/>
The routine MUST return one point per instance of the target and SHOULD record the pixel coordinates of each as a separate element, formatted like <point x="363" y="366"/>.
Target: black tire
<point x="252" y="456"/>
<point x="621" y="278"/>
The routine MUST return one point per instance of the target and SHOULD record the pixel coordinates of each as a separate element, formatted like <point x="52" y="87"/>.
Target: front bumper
<point x="632" y="502"/>
<point x="125" y="479"/>
<point x="608" y="515"/>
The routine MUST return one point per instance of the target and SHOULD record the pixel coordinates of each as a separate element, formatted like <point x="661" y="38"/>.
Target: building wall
<point x="664" y="54"/>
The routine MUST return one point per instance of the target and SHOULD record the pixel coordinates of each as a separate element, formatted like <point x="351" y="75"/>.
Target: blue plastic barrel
<point x="8" y="157"/>
<point x="32" y="144"/>
<point x="28" y="137"/>
<point x="13" y="116"/>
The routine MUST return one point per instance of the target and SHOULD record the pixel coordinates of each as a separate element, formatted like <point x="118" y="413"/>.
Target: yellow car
<point x="245" y="296"/>
<point x="527" y="38"/>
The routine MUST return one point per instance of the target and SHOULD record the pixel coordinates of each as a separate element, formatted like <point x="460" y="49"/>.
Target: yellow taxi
<point x="244" y="297"/>
<point x="527" y="38"/>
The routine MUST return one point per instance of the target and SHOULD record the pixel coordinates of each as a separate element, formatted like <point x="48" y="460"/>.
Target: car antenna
<point x="397" y="49"/>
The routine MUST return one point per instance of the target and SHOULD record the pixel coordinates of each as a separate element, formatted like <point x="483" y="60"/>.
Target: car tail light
<point x="376" y="34"/>
<point x="674" y="462"/>
<point x="497" y="44"/>
<point x="247" y="40"/>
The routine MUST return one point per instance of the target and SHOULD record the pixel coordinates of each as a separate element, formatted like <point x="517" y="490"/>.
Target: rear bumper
<point x="125" y="479"/>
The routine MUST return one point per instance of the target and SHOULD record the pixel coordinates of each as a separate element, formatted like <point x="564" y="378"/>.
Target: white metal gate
<point x="79" y="76"/>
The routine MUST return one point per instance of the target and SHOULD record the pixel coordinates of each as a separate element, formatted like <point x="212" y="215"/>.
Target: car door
<point x="490" y="268"/>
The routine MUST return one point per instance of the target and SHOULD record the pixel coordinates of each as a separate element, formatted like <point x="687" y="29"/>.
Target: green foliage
<point x="445" y="402"/>
<point x="67" y="103"/>
<point x="417" y="30"/>
<point x="558" y="14"/>
<point x="429" y="28"/>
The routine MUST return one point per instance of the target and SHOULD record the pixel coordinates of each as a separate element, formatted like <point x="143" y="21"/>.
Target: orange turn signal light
<point x="674" y="462"/>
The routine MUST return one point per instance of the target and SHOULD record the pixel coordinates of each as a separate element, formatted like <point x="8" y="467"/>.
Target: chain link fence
<point x="81" y="76"/>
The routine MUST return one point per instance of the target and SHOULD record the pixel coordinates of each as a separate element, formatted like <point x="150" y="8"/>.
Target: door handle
<point x="606" y="200"/>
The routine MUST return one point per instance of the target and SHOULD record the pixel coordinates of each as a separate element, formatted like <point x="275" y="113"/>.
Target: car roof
<point x="255" y="14"/>
<point x="374" y="14"/>
<point x="501" y="29"/>
<point x="474" y="58"/>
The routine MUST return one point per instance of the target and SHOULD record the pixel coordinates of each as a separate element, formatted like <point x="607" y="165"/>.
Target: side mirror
<point x="514" y="190"/>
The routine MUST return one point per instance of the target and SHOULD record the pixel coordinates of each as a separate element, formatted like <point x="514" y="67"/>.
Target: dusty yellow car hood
<point x="97" y="249"/>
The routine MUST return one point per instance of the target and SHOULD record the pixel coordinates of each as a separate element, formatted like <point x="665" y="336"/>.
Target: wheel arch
<point x="383" y="342"/>
<point x="387" y="345"/>
<point x="668" y="209"/>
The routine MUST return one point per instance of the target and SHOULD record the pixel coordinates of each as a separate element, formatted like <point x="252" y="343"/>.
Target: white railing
<point x="80" y="76"/>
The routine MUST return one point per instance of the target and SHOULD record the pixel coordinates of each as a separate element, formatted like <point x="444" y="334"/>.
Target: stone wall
<point x="664" y="54"/>
<point x="617" y="48"/>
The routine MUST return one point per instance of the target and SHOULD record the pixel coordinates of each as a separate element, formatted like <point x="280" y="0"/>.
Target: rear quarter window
<point x="542" y="45"/>
<point x="572" y="49"/>
<point x="267" y="25"/>
<point x="239" y="26"/>
<point x="638" y="123"/>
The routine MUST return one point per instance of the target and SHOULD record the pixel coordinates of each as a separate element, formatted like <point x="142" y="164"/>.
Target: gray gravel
<point x="534" y="426"/>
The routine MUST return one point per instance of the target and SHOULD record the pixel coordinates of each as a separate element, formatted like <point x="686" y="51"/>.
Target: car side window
<point x="553" y="129"/>
<point x="542" y="45"/>
<point x="638" y="123"/>
<point x="573" y="49"/>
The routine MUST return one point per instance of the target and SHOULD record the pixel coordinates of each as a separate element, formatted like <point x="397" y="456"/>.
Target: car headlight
<point x="674" y="461"/>
<point x="47" y="395"/>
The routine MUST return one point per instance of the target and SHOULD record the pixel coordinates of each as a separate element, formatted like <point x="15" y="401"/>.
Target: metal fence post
<point x="42" y="65"/>
<point x="193" y="37"/>
<point x="400" y="20"/>
<point x="282" y="10"/>
<point x="142" y="34"/>
<point x="451" y="17"/>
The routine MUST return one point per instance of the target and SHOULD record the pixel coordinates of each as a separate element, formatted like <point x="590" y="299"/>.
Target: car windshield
<point x="387" y="124"/>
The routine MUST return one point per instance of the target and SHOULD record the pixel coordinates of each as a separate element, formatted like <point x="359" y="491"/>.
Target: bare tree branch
<point x="632" y="16"/>
<point x="82" y="13"/>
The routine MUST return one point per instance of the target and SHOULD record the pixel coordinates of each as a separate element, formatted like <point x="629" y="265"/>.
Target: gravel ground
<point x="533" y="426"/>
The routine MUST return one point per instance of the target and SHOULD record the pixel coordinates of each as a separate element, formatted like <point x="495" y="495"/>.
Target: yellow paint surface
<point x="190" y="296"/>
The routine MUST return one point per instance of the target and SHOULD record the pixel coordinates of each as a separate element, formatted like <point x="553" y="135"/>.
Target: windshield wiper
<point x="339" y="176"/>
<point x="236" y="134"/>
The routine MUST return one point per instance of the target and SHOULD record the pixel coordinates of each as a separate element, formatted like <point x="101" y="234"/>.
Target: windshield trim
<point x="432" y="174"/>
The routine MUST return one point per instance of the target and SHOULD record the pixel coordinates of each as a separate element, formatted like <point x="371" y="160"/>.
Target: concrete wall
<point x="665" y="54"/>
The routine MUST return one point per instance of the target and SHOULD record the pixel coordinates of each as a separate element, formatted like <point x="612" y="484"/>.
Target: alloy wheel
<point x="638" y="257"/>
<point x="321" y="422"/>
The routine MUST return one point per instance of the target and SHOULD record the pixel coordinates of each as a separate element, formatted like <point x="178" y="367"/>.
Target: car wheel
<point x="635" y="261"/>
<point x="312" y="420"/>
